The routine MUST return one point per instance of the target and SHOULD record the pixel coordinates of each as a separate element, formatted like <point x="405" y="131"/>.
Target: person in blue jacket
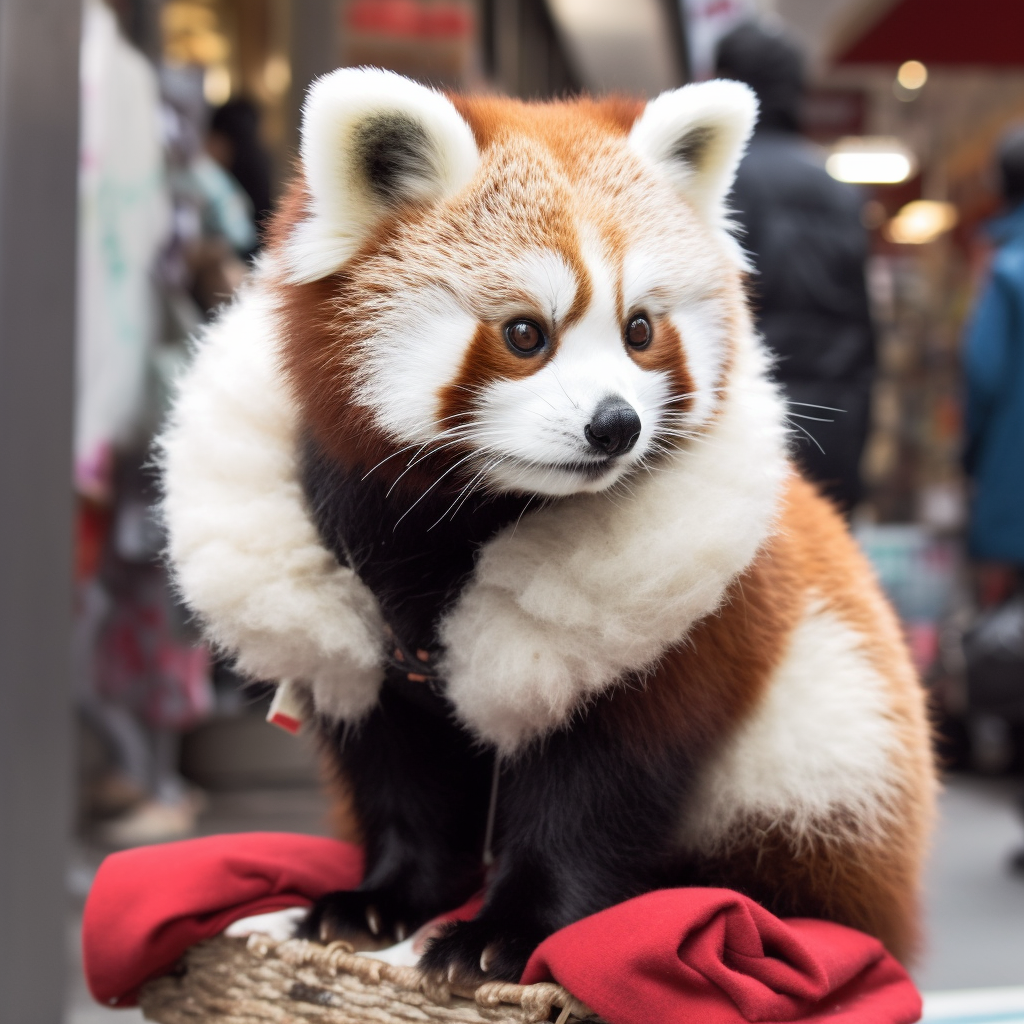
<point x="994" y="368"/>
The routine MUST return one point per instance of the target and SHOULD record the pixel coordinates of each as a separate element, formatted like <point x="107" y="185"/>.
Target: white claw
<point x="373" y="920"/>
<point x="401" y="932"/>
<point x="485" y="959"/>
<point x="451" y="974"/>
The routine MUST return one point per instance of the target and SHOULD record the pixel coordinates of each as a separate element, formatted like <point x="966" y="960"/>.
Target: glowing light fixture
<point x="871" y="161"/>
<point x="216" y="85"/>
<point x="277" y="75"/>
<point x="921" y="221"/>
<point x="912" y="75"/>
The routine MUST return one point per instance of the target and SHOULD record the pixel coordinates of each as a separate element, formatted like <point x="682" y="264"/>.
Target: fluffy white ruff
<point x="247" y="558"/>
<point x="599" y="585"/>
<point x="814" y="757"/>
<point x="559" y="608"/>
<point x="343" y="205"/>
<point x="696" y="135"/>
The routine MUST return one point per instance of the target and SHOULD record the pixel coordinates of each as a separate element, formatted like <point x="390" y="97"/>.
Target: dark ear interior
<point x="691" y="148"/>
<point x="395" y="155"/>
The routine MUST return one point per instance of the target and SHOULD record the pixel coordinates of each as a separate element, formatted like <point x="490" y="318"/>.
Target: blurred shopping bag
<point x="994" y="655"/>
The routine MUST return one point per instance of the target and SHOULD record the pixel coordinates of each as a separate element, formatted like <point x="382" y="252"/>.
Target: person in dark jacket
<point x="994" y="369"/>
<point x="808" y="247"/>
<point x="234" y="141"/>
<point x="993" y="360"/>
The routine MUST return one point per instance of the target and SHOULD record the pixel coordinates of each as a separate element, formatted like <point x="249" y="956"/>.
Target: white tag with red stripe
<point x="286" y="709"/>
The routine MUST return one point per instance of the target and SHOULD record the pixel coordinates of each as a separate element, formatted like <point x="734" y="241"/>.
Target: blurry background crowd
<point x="882" y="203"/>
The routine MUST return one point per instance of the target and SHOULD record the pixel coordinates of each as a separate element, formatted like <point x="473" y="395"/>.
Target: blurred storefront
<point x="922" y="89"/>
<point x="939" y="84"/>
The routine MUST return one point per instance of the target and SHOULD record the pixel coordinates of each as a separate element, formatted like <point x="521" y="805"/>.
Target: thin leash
<point x="492" y="813"/>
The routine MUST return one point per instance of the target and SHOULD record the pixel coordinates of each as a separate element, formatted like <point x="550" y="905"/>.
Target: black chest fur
<point x="414" y="551"/>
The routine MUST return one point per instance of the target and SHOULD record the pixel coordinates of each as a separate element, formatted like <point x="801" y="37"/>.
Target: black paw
<point x="469" y="952"/>
<point x="357" y="916"/>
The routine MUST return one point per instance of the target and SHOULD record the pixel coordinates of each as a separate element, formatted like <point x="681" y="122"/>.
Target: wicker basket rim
<point x="340" y="957"/>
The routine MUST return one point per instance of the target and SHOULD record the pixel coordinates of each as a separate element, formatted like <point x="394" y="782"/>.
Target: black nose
<point x="614" y="428"/>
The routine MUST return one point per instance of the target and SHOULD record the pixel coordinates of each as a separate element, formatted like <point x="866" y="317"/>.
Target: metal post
<point x="39" y="42"/>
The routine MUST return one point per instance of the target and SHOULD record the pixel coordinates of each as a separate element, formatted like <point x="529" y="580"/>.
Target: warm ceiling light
<point x="912" y="75"/>
<point x="871" y="161"/>
<point x="217" y="85"/>
<point x="277" y="75"/>
<point x="921" y="221"/>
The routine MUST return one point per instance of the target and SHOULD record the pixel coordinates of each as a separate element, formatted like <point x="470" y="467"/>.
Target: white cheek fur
<point x="684" y="290"/>
<point x="411" y="356"/>
<point x="701" y="326"/>
<point x="529" y="432"/>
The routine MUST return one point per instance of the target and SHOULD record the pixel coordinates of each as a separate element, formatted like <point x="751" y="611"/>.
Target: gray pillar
<point x="38" y="165"/>
<point x="315" y="49"/>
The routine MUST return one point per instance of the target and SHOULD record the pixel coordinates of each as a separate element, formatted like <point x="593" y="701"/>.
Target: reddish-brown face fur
<point x="554" y="178"/>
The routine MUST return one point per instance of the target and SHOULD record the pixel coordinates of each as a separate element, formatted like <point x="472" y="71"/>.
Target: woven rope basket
<point x="258" y="980"/>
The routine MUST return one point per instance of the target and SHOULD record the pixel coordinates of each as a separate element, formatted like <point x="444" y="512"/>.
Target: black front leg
<point x="585" y="822"/>
<point x="420" y="791"/>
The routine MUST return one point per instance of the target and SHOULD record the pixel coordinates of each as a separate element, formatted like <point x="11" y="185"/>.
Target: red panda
<point x="487" y="460"/>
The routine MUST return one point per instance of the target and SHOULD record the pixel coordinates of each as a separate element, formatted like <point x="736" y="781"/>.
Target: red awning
<point x="944" y="32"/>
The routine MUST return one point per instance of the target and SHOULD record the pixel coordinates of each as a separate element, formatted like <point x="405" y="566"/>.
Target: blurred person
<point x="139" y="679"/>
<point x="214" y="233"/>
<point x="234" y="142"/>
<point x="994" y="459"/>
<point x="808" y="248"/>
<point x="994" y="370"/>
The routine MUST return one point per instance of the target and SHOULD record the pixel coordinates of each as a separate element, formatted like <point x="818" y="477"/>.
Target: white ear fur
<point x="371" y="140"/>
<point x="697" y="135"/>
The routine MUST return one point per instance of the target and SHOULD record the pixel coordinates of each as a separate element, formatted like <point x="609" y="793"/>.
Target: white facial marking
<point x="538" y="424"/>
<point x="663" y="286"/>
<point x="702" y="330"/>
<point x="411" y="358"/>
<point x="530" y="433"/>
<point x="545" y="276"/>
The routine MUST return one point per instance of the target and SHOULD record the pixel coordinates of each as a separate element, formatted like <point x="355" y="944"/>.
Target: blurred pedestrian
<point x="234" y="142"/>
<point x="808" y="247"/>
<point x="994" y="368"/>
<point x="994" y="459"/>
<point x="214" y="230"/>
<point x="141" y="677"/>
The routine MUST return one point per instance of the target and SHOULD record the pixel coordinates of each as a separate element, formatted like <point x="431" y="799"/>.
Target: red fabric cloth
<point x="148" y="905"/>
<point x="710" y="956"/>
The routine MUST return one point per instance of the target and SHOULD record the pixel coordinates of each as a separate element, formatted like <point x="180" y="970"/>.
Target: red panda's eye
<point x="639" y="332"/>
<point x="524" y="337"/>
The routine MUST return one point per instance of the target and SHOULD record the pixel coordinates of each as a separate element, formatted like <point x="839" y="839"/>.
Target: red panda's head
<point x="537" y="298"/>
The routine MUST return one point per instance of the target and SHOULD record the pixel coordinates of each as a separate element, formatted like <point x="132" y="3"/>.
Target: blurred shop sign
<point x="950" y="32"/>
<point x="706" y="22"/>
<point x="428" y="39"/>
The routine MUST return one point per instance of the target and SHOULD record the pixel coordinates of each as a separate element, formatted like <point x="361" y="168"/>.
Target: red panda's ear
<point x="697" y="135"/>
<point x="371" y="142"/>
